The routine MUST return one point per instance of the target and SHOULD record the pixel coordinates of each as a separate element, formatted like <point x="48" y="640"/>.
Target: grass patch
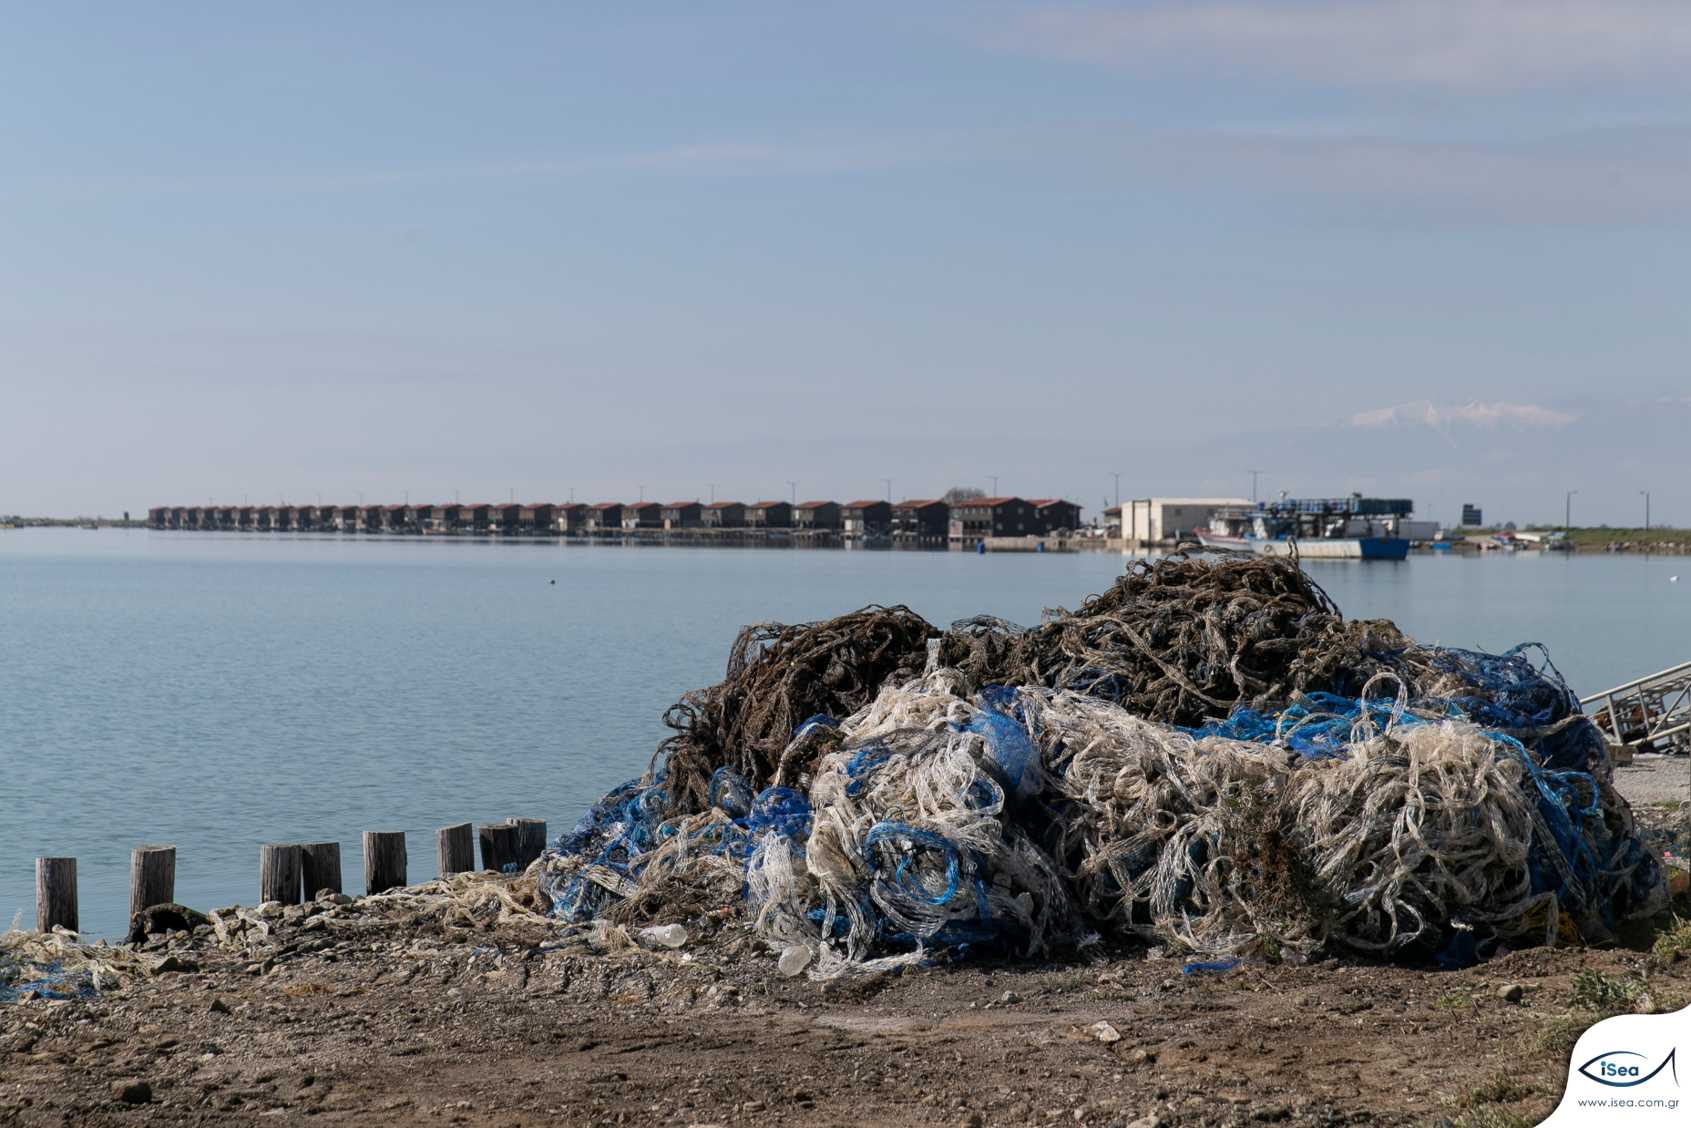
<point x="1605" y="995"/>
<point x="1455" y="1001"/>
<point x="1673" y="942"/>
<point x="1494" y="1118"/>
<point x="1499" y="1088"/>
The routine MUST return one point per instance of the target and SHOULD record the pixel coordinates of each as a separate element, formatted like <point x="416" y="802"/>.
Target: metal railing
<point x="1650" y="712"/>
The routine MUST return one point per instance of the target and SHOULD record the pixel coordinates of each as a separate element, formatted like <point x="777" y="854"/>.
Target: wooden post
<point x="498" y="845"/>
<point x="279" y="873"/>
<point x="455" y="849"/>
<point x="55" y="894"/>
<point x="320" y="865"/>
<point x="152" y="877"/>
<point x="384" y="860"/>
<point x="531" y="840"/>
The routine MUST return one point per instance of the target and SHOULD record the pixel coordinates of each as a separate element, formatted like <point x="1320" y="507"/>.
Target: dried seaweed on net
<point x="1180" y="639"/>
<point x="779" y="676"/>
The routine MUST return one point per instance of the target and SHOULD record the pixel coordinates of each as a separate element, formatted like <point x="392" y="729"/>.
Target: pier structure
<point x="998" y="524"/>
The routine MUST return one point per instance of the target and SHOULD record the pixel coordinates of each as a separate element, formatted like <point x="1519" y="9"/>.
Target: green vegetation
<point x="1674" y="942"/>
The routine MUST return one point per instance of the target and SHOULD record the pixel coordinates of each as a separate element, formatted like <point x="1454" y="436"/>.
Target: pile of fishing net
<point x="1206" y="757"/>
<point x="58" y="965"/>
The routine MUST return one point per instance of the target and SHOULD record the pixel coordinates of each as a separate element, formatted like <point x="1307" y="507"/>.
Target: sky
<point x="1423" y="248"/>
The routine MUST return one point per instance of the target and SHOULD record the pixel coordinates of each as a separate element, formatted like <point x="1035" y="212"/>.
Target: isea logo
<point x="1624" y="1068"/>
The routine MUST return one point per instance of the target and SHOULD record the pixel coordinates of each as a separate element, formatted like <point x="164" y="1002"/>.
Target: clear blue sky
<point x="1436" y="248"/>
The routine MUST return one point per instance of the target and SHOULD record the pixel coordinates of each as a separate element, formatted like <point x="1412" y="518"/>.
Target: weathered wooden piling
<point x="455" y="848"/>
<point x="55" y="894"/>
<point x="279" y="873"/>
<point x="498" y="845"/>
<point x="320" y="865"/>
<point x="384" y="860"/>
<point x="531" y="840"/>
<point x="152" y="877"/>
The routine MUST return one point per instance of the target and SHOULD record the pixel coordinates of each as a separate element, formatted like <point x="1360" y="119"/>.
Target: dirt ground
<point x="347" y="1014"/>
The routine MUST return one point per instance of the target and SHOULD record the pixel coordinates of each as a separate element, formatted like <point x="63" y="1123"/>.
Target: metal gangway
<point x="1651" y="714"/>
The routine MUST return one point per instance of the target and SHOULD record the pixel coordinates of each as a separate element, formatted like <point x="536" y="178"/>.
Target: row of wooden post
<point x="295" y="871"/>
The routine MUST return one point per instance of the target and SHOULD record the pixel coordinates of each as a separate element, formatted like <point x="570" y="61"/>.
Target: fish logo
<point x="1622" y="1069"/>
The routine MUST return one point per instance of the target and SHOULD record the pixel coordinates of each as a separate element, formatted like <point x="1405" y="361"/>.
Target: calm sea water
<point x="218" y="691"/>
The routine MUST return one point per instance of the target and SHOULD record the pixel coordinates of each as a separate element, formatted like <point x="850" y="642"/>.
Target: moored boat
<point x="1351" y="528"/>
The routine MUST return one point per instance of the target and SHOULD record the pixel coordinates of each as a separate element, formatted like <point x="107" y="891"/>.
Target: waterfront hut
<point x="1112" y="521"/>
<point x="158" y="517"/>
<point x="281" y="518"/>
<point x="921" y="520"/>
<point x="724" y="515"/>
<point x="981" y="517"/>
<point x="817" y="515"/>
<point x="537" y="518"/>
<point x="682" y="515"/>
<point x="863" y="518"/>
<point x="195" y="518"/>
<point x="349" y="518"/>
<point x="179" y="518"/>
<point x="412" y="518"/>
<point x="374" y="518"/>
<point x="570" y="518"/>
<point x="245" y="517"/>
<point x="441" y="518"/>
<point x="264" y="518"/>
<point x="228" y="517"/>
<point x="769" y="515"/>
<point x="475" y="518"/>
<point x="643" y="515"/>
<point x="1054" y="515"/>
<point x="605" y="517"/>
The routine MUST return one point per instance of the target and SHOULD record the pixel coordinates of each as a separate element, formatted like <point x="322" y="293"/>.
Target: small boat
<point x="1347" y="528"/>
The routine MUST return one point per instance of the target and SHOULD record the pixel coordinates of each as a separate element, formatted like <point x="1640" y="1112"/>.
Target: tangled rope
<point x="1206" y="755"/>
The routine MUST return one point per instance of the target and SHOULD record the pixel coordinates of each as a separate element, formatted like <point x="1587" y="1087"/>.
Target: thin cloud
<point x="1435" y="44"/>
<point x="1476" y="414"/>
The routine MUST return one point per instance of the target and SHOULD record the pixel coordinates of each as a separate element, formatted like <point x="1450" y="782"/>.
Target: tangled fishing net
<point x="1206" y="756"/>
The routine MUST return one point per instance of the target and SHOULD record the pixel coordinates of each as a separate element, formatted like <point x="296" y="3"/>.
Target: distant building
<point x="570" y="517"/>
<point x="1471" y="516"/>
<point x="1054" y="515"/>
<point x="769" y="515"/>
<point x="816" y="515"/>
<point x="725" y="515"/>
<point x="679" y="515"/>
<point x="642" y="515"/>
<point x="980" y="517"/>
<point x="921" y="520"/>
<point x="1112" y="521"/>
<point x="1172" y="518"/>
<point x="861" y="519"/>
<point x="604" y="517"/>
<point x="537" y="517"/>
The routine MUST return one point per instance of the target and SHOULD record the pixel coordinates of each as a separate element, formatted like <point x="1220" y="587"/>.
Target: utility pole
<point x="994" y="478"/>
<point x="793" y="490"/>
<point x="1254" y="474"/>
<point x="1646" y="494"/>
<point x="1568" y="511"/>
<point x="712" y="486"/>
<point x="642" y="493"/>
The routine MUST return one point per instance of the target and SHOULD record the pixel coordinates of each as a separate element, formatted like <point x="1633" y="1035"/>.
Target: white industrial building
<point x="1171" y="518"/>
